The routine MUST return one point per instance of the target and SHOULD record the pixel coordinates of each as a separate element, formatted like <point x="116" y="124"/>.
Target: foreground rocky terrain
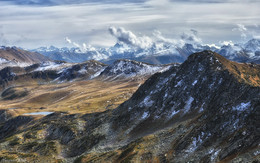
<point x="205" y="110"/>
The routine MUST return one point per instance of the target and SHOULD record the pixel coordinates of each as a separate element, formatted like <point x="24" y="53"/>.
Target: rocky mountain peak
<point x="211" y="61"/>
<point x="204" y="84"/>
<point x="253" y="45"/>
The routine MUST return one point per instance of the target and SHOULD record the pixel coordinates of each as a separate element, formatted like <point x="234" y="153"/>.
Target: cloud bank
<point x="35" y="23"/>
<point x="242" y="29"/>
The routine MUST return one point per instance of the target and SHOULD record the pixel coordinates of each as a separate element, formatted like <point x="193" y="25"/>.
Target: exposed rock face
<point x="205" y="110"/>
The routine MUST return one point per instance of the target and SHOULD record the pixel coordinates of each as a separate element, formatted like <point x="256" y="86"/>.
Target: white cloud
<point x="213" y="46"/>
<point x="242" y="29"/>
<point x="226" y="43"/>
<point x="156" y="44"/>
<point x="129" y="38"/>
<point x="191" y="37"/>
<point x="160" y="38"/>
<point x="73" y="43"/>
<point x="68" y="40"/>
<point x="83" y="47"/>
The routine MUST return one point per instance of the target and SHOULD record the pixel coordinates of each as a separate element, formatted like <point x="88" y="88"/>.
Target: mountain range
<point x="156" y="54"/>
<point x="203" y="110"/>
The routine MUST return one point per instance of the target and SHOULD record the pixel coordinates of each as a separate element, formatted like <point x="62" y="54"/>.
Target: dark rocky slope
<point x="217" y="101"/>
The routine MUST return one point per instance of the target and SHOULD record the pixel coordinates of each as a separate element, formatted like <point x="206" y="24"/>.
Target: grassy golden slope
<point x="244" y="72"/>
<point x="75" y="97"/>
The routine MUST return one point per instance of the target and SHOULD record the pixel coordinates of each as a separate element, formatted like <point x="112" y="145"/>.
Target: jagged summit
<point x="244" y="72"/>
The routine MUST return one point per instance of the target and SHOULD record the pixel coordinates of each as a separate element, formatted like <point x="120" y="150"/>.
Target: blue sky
<point x="35" y="23"/>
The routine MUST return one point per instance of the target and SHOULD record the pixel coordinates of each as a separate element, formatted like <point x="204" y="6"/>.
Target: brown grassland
<point x="72" y="97"/>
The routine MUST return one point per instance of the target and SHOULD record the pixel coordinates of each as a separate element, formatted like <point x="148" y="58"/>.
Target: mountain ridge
<point x="18" y="55"/>
<point x="161" y="54"/>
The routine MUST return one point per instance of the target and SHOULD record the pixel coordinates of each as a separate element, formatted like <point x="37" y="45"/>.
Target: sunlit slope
<point x="82" y="96"/>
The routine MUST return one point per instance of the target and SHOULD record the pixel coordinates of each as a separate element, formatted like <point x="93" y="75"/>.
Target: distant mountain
<point x="19" y="57"/>
<point x="59" y="71"/>
<point x="74" y="55"/>
<point x="54" y="72"/>
<point x="248" y="52"/>
<point x="252" y="45"/>
<point x="163" y="54"/>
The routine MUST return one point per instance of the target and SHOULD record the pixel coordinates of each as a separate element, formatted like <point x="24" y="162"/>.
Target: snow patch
<point x="188" y="104"/>
<point x="179" y="83"/>
<point x="47" y="66"/>
<point x="97" y="73"/>
<point x="147" y="102"/>
<point x="145" y="115"/>
<point x="83" y="71"/>
<point x="194" y="144"/>
<point x="2" y="61"/>
<point x="53" y="66"/>
<point x="257" y="153"/>
<point x="174" y="113"/>
<point x="38" y="113"/>
<point x="195" y="82"/>
<point x="166" y="95"/>
<point x="214" y="153"/>
<point x="218" y="68"/>
<point x="202" y="108"/>
<point x="241" y="107"/>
